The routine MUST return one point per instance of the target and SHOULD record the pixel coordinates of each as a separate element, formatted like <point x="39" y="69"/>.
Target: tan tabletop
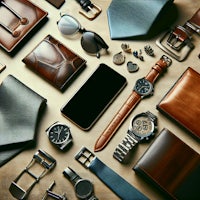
<point x="56" y="99"/>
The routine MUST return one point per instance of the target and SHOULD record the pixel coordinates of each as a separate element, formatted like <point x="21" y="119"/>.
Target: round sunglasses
<point x="91" y="42"/>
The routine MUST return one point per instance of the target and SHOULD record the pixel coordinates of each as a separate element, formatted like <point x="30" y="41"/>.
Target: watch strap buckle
<point x="85" y="157"/>
<point x="168" y="43"/>
<point x="91" y="10"/>
<point x="168" y="62"/>
<point x="40" y="157"/>
<point x="178" y="38"/>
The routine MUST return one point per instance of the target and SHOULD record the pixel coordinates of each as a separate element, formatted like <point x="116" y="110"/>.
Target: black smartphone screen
<point x="91" y="100"/>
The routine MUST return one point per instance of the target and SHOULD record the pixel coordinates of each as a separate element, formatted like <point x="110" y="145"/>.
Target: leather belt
<point x="178" y="41"/>
<point x="91" y="9"/>
<point x="115" y="182"/>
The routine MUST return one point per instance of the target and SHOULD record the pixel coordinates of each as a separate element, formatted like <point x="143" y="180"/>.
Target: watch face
<point x="84" y="189"/>
<point x="143" y="87"/>
<point x="59" y="133"/>
<point x="142" y="126"/>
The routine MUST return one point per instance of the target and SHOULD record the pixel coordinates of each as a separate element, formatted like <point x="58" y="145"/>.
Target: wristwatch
<point x="142" y="128"/>
<point x="60" y="135"/>
<point x="83" y="188"/>
<point x="143" y="88"/>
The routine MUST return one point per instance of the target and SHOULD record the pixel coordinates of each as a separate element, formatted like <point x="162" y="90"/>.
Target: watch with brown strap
<point x="143" y="88"/>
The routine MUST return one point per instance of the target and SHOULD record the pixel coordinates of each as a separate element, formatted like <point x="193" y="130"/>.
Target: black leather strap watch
<point x="142" y="127"/>
<point x="83" y="188"/>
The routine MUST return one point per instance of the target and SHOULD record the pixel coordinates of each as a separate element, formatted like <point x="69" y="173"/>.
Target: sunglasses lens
<point x="68" y="25"/>
<point x="90" y="42"/>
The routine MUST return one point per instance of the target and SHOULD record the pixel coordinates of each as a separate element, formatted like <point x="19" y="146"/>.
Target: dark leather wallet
<point x="20" y="111"/>
<point x="18" y="18"/>
<point x="55" y="62"/>
<point x="182" y="101"/>
<point x="56" y="3"/>
<point x="172" y="166"/>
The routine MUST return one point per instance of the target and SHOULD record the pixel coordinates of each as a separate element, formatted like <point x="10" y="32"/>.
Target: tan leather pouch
<point x="182" y="102"/>
<point x="54" y="62"/>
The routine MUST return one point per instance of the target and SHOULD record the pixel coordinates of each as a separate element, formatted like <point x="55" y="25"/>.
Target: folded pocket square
<point x="20" y="109"/>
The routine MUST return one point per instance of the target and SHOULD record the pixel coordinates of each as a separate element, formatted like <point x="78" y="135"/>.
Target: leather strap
<point x="193" y="24"/>
<point x="156" y="70"/>
<point x="115" y="123"/>
<point x="114" y="181"/>
<point x="129" y="105"/>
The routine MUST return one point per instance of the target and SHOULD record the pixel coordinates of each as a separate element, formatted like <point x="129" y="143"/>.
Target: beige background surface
<point x="56" y="99"/>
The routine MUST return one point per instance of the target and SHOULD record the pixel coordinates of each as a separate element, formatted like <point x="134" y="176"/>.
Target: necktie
<point x="139" y="18"/>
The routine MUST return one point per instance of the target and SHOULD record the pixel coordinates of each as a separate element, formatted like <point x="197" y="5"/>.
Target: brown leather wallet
<point x="182" y="102"/>
<point x="54" y="62"/>
<point x="172" y="166"/>
<point x="56" y="3"/>
<point x="17" y="19"/>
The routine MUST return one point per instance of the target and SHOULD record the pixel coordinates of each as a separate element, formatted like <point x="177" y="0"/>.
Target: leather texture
<point x="25" y="9"/>
<point x="131" y="102"/>
<point x="20" y="109"/>
<point x="56" y="3"/>
<point x="54" y="62"/>
<point x="115" y="182"/>
<point x="181" y="103"/>
<point x="172" y="166"/>
<point x="132" y="18"/>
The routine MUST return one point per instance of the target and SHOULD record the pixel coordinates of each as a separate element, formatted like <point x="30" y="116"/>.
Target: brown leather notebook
<point x="182" y="101"/>
<point x="55" y="62"/>
<point x="18" y="18"/>
<point x="172" y="166"/>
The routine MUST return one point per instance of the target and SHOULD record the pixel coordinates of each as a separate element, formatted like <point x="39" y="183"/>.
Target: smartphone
<point x="94" y="97"/>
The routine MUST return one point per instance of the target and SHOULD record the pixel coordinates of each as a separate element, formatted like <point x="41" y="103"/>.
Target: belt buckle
<point x="93" y="12"/>
<point x="85" y="157"/>
<point x="177" y="43"/>
<point x="40" y="157"/>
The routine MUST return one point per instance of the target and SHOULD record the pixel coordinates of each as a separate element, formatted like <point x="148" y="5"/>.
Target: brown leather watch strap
<point x="115" y="123"/>
<point x="156" y="70"/>
<point x="133" y="99"/>
<point x="194" y="23"/>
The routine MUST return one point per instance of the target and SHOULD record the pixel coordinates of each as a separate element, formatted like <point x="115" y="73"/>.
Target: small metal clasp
<point x="40" y="157"/>
<point x="85" y="157"/>
<point x="93" y="12"/>
<point x="49" y="193"/>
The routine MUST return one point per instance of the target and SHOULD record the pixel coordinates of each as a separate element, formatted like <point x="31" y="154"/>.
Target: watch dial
<point x="83" y="189"/>
<point x="142" y="126"/>
<point x="59" y="133"/>
<point x="143" y="87"/>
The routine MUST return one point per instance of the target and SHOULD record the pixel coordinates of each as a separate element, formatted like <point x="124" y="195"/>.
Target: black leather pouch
<point x="20" y="109"/>
<point x="172" y="166"/>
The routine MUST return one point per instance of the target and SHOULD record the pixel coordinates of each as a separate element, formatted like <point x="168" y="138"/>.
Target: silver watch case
<point x="146" y="129"/>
